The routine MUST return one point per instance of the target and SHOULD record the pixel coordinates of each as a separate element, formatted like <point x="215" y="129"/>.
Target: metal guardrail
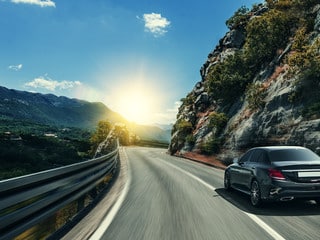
<point x="27" y="200"/>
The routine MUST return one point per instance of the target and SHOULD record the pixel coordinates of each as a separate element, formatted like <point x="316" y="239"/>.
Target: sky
<point x="139" y="58"/>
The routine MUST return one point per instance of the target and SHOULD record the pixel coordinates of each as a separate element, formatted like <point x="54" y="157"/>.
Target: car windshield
<point x="293" y="155"/>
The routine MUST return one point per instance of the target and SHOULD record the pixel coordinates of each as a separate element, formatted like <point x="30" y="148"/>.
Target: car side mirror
<point x="235" y="160"/>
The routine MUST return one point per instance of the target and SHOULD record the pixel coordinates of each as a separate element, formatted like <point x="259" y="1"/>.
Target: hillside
<point x="48" y="109"/>
<point x="52" y="110"/>
<point x="259" y="86"/>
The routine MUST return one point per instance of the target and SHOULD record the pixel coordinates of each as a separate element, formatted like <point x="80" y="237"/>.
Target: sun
<point x="136" y="107"/>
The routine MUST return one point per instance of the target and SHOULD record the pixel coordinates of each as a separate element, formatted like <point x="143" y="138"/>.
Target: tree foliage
<point x="305" y="61"/>
<point x="255" y="95"/>
<point x="296" y="5"/>
<point x="36" y="153"/>
<point x="101" y="133"/>
<point x="227" y="80"/>
<point x="123" y="134"/>
<point x="217" y="121"/>
<point x="210" y="146"/>
<point x="184" y="126"/>
<point x="239" y="18"/>
<point x="265" y="35"/>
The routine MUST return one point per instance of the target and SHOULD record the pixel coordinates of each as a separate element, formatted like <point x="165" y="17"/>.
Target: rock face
<point x="317" y="20"/>
<point x="278" y="122"/>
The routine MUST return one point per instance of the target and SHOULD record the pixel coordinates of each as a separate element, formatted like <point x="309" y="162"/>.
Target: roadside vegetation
<point x="27" y="147"/>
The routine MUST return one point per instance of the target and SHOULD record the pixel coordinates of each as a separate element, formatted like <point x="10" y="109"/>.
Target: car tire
<point x="255" y="194"/>
<point x="227" y="183"/>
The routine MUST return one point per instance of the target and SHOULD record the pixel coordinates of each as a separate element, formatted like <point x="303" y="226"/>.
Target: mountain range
<point x="49" y="109"/>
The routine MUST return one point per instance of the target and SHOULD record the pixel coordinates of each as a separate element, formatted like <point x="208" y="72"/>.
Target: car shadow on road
<point x="290" y="208"/>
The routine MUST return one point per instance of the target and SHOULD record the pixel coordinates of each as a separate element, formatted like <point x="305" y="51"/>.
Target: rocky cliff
<point x="273" y="100"/>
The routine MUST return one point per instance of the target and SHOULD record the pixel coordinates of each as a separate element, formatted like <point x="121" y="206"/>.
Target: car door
<point x="247" y="169"/>
<point x="251" y="167"/>
<point x="239" y="171"/>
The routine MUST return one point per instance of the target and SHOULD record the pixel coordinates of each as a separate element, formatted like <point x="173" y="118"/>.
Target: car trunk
<point x="302" y="172"/>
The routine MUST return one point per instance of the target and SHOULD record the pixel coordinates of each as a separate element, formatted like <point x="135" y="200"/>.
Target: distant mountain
<point x="52" y="110"/>
<point x="164" y="126"/>
<point x="151" y="132"/>
<point x="62" y="111"/>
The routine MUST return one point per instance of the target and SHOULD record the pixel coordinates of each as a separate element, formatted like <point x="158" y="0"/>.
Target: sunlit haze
<point x="136" y="102"/>
<point x="137" y="57"/>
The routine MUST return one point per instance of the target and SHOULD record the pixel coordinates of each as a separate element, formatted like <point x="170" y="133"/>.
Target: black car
<point x="276" y="173"/>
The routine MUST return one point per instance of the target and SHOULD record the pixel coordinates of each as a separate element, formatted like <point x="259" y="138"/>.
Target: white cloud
<point x="154" y="23"/>
<point x="15" y="67"/>
<point x="49" y="84"/>
<point x="41" y="3"/>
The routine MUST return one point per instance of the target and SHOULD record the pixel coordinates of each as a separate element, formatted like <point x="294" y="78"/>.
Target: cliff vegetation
<point x="259" y="86"/>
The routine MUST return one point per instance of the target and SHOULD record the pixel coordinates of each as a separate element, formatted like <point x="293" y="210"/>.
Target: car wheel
<point x="227" y="184"/>
<point x="255" y="194"/>
<point x="317" y="201"/>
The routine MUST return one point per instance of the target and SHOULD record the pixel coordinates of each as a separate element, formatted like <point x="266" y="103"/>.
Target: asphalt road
<point x="165" y="197"/>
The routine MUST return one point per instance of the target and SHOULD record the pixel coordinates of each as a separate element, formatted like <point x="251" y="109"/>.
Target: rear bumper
<point x="284" y="190"/>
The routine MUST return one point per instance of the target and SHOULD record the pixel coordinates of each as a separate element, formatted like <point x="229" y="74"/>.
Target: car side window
<point x="259" y="156"/>
<point x="264" y="157"/>
<point x="245" y="157"/>
<point x="255" y="156"/>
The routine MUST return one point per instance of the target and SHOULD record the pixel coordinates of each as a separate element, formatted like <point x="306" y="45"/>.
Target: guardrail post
<point x="93" y="193"/>
<point x="80" y="203"/>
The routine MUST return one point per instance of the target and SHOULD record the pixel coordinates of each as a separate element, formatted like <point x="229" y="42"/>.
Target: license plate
<point x="308" y="174"/>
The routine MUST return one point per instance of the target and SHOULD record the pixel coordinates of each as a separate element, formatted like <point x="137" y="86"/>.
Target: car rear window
<point x="293" y="155"/>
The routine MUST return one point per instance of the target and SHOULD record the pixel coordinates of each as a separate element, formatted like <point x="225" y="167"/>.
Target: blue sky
<point x="137" y="57"/>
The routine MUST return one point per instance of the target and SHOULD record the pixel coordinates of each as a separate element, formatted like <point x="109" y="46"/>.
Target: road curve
<point x="171" y="198"/>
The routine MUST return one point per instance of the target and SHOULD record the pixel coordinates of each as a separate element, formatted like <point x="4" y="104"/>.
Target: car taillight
<point x="276" y="174"/>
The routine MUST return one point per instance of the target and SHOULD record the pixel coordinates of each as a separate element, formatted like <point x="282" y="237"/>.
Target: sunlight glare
<point x="136" y="105"/>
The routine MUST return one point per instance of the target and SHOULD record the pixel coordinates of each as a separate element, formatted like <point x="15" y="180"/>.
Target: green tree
<point x="227" y="80"/>
<point x="123" y="134"/>
<point x="297" y="5"/>
<point x="306" y="63"/>
<point x="217" y="121"/>
<point x="101" y="133"/>
<point x="210" y="146"/>
<point x="190" y="139"/>
<point x="265" y="35"/>
<point x="255" y="95"/>
<point x="184" y="126"/>
<point x="239" y="18"/>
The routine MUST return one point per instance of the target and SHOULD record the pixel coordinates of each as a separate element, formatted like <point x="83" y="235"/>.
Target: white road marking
<point x="255" y="218"/>
<point x="114" y="210"/>
<point x="265" y="226"/>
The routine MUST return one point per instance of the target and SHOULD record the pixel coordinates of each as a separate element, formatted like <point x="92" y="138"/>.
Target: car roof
<point x="273" y="148"/>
